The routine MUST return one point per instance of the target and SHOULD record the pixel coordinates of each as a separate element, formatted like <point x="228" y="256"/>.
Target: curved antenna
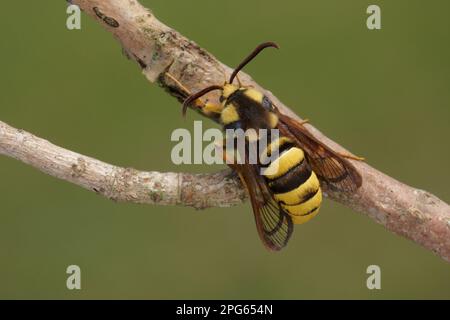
<point x="255" y="52"/>
<point x="197" y="95"/>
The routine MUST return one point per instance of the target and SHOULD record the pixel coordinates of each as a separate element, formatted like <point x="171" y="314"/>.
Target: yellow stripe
<point x="304" y="208"/>
<point x="228" y="90"/>
<point x="229" y="114"/>
<point x="303" y="219"/>
<point x="286" y="161"/>
<point x="273" y="120"/>
<point x="294" y="196"/>
<point x="276" y="145"/>
<point x="255" y="95"/>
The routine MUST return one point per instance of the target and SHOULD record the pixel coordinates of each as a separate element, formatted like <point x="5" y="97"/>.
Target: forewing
<point x="331" y="168"/>
<point x="274" y="225"/>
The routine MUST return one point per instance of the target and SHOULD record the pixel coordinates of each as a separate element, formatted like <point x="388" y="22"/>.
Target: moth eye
<point x="267" y="104"/>
<point x="221" y="99"/>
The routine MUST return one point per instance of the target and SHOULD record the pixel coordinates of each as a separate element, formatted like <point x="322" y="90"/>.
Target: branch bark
<point x="158" y="49"/>
<point x="200" y="191"/>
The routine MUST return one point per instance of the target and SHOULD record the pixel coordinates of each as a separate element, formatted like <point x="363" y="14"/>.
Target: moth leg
<point x="187" y="92"/>
<point x="238" y="80"/>
<point x="229" y="152"/>
<point x="221" y="149"/>
<point x="230" y="159"/>
<point x="206" y="107"/>
<point x="304" y="121"/>
<point x="241" y="84"/>
<point x="351" y="156"/>
<point x="198" y="103"/>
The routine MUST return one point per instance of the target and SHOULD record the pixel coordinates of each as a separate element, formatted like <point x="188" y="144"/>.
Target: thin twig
<point x="158" y="49"/>
<point x="200" y="191"/>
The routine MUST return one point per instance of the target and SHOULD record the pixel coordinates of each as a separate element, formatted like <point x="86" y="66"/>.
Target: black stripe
<point x="285" y="146"/>
<point x="309" y="195"/>
<point x="280" y="153"/>
<point x="309" y="212"/>
<point x="292" y="179"/>
<point x="281" y="149"/>
<point x="305" y="198"/>
<point x="236" y="95"/>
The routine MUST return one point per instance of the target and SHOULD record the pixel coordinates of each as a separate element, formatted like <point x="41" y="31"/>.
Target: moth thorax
<point x="228" y="90"/>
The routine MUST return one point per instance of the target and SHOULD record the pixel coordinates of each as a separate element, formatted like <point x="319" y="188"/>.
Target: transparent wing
<point x="273" y="224"/>
<point x="331" y="168"/>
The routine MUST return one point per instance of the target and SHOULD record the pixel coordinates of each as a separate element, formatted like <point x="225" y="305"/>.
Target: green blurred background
<point x="383" y="94"/>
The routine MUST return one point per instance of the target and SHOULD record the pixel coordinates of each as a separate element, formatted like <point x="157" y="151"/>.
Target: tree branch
<point x="200" y="191"/>
<point x="158" y="49"/>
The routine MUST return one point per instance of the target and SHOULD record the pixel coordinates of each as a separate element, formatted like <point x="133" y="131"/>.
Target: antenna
<point x="252" y="55"/>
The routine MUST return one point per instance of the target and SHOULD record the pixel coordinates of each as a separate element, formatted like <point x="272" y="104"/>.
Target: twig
<point x="121" y="184"/>
<point x="158" y="49"/>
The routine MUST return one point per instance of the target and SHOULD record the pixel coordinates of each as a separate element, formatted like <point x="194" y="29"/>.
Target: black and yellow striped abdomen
<point x="294" y="185"/>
